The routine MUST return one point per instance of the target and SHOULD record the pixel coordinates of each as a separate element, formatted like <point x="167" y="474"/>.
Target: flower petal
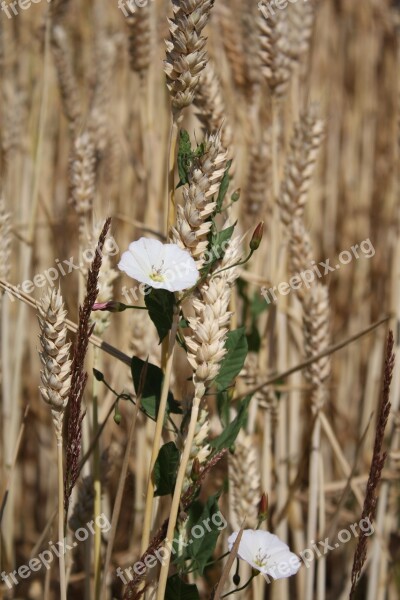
<point x="175" y="268"/>
<point x="132" y="267"/>
<point x="180" y="270"/>
<point x="284" y="564"/>
<point x="265" y="552"/>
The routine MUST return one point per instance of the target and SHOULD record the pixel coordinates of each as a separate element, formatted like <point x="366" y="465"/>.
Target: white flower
<point x="265" y="552"/>
<point x="159" y="265"/>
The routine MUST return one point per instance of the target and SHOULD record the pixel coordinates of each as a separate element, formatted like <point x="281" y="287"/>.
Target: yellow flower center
<point x="156" y="277"/>
<point x="261" y="559"/>
<point x="156" y="274"/>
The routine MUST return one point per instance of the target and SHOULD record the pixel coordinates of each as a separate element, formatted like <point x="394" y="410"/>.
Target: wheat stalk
<point x="55" y="388"/>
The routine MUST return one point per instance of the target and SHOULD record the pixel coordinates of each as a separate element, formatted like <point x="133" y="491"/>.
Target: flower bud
<point x="117" y="415"/>
<point x="111" y="306"/>
<point x="257" y="236"/>
<point x="98" y="375"/>
<point x="263" y="508"/>
<point x="236" y="195"/>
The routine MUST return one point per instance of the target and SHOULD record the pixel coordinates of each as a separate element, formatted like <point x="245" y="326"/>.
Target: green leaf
<point x="184" y="157"/>
<point x="223" y="188"/>
<point x="236" y="344"/>
<point x="177" y="589"/>
<point x="218" y="240"/>
<point x="223" y="406"/>
<point x="165" y="469"/>
<point x="201" y="547"/>
<point x="230" y="433"/>
<point x="257" y="307"/>
<point x="151" y="393"/>
<point x="160" y="304"/>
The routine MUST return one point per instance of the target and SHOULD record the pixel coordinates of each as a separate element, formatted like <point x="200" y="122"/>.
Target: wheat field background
<point x="263" y="140"/>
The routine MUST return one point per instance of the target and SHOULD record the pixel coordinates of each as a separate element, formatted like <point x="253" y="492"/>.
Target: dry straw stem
<point x="158" y="432"/>
<point x="377" y="464"/>
<point x="228" y="566"/>
<point x="132" y="592"/>
<point x="94" y="340"/>
<point x="176" y="499"/>
<point x="121" y="485"/>
<point x="186" y="54"/>
<point x="309" y="361"/>
<point x="206" y="349"/>
<point x="5" y="240"/>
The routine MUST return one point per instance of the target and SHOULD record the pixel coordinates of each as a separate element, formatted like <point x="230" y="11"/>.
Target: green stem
<point x="211" y="562"/>
<point x="238" y="264"/>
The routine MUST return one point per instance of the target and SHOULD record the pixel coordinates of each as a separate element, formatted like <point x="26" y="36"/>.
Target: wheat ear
<point x="186" y="55"/>
<point x="275" y="57"/>
<point x="82" y="180"/>
<point x="300" y="166"/>
<point x="244" y="483"/>
<point x="315" y="301"/>
<point x="193" y="223"/>
<point x="139" y="40"/>
<point x="56" y="381"/>
<point x="70" y="96"/>
<point x="207" y="349"/>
